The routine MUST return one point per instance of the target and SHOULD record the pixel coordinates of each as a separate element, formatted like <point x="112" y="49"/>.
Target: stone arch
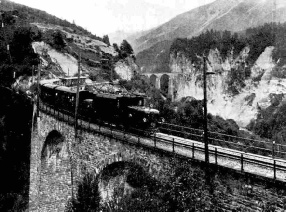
<point x="153" y="80"/>
<point x="53" y="144"/>
<point x="164" y="83"/>
<point x="122" y="178"/>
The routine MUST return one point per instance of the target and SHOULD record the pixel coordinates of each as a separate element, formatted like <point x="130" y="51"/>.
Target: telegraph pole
<point x="77" y="97"/>
<point x="206" y="140"/>
<point x="75" y="125"/>
<point x="205" y="114"/>
<point x="38" y="89"/>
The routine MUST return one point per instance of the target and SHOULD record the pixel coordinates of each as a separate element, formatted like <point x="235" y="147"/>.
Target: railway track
<point x="265" y="166"/>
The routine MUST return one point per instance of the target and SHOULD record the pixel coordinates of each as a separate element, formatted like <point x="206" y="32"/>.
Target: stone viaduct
<point x="59" y="162"/>
<point x="163" y="81"/>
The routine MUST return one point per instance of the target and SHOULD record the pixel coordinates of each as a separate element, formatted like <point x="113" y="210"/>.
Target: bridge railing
<point x="176" y="144"/>
<point x="264" y="148"/>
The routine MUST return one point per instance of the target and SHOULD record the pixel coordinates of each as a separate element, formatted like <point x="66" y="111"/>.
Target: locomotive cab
<point x="86" y="108"/>
<point x="143" y="117"/>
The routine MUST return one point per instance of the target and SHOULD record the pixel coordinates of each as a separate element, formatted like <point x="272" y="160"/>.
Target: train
<point x="119" y="109"/>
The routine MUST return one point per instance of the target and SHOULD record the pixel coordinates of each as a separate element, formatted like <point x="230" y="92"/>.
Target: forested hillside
<point x="30" y="15"/>
<point x="257" y="39"/>
<point x="157" y="57"/>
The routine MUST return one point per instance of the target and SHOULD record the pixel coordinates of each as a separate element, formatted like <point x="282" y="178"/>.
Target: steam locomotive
<point x="119" y="109"/>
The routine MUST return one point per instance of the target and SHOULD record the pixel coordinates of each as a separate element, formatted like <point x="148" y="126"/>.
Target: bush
<point x="184" y="190"/>
<point x="88" y="196"/>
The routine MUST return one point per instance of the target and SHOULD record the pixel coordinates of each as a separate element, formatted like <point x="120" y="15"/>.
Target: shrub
<point x="88" y="196"/>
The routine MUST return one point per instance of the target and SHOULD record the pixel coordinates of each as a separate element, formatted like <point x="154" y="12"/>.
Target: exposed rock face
<point x="253" y="93"/>
<point x="126" y="68"/>
<point x="59" y="63"/>
<point x="52" y="59"/>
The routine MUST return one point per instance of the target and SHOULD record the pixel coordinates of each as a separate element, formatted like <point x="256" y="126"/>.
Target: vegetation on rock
<point x="271" y="123"/>
<point x="15" y="139"/>
<point x="186" y="188"/>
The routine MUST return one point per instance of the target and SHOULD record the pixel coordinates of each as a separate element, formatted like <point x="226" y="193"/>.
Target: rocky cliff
<point x="235" y="91"/>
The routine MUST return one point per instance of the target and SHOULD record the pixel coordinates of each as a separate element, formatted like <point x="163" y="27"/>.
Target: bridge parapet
<point x="56" y="171"/>
<point x="54" y="176"/>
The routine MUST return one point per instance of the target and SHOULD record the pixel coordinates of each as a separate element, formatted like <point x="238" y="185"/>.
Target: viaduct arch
<point x="58" y="161"/>
<point x="163" y="81"/>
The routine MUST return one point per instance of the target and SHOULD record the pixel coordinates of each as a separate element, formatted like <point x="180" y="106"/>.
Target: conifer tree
<point x="105" y="39"/>
<point x="126" y="48"/>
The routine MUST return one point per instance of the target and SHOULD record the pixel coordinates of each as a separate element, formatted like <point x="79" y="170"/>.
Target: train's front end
<point x="144" y="118"/>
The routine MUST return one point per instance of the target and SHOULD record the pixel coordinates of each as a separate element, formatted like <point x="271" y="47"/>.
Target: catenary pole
<point x="77" y="97"/>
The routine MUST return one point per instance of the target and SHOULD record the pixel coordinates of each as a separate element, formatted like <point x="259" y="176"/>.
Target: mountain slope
<point x="232" y="15"/>
<point x="59" y="45"/>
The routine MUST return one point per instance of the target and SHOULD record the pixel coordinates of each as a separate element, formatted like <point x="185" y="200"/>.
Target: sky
<point x="103" y="17"/>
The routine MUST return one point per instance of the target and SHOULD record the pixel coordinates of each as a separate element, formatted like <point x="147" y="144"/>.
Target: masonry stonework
<point x="54" y="177"/>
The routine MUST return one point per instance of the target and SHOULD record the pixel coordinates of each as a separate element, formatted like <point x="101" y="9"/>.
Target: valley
<point x="241" y="42"/>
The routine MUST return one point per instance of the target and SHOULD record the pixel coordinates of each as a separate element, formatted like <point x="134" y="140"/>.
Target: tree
<point x="20" y="53"/>
<point x="126" y="49"/>
<point x="21" y="46"/>
<point x="59" y="41"/>
<point x="105" y="39"/>
<point x="116" y="48"/>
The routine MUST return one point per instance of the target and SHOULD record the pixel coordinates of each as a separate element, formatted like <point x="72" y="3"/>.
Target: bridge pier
<point x="158" y="84"/>
<point x="171" y="88"/>
<point x="155" y="79"/>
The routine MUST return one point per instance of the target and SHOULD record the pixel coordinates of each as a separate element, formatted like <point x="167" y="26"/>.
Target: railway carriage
<point x="126" y="110"/>
<point x="62" y="97"/>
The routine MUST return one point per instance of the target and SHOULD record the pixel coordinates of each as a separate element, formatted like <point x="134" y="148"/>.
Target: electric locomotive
<point x="125" y="110"/>
<point x="118" y="108"/>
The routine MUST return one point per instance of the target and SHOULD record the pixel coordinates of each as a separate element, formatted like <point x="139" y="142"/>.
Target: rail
<point x="265" y="148"/>
<point x="268" y="167"/>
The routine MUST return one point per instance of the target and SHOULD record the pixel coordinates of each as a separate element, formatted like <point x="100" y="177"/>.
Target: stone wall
<point x="247" y="192"/>
<point x="50" y="179"/>
<point x="55" y="177"/>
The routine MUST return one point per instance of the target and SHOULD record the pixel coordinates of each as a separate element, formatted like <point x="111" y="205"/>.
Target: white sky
<point x="106" y="16"/>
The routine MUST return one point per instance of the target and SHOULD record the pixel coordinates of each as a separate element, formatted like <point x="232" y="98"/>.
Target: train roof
<point x="131" y="96"/>
<point x="145" y="109"/>
<point x="108" y="95"/>
<point x="72" y="78"/>
<point x="65" y="89"/>
<point x="50" y="85"/>
<point x="49" y="81"/>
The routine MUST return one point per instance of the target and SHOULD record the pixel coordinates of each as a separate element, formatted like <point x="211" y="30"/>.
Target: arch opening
<point x="122" y="179"/>
<point x="153" y="80"/>
<point x="114" y="185"/>
<point x="53" y="144"/>
<point x="164" y="84"/>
